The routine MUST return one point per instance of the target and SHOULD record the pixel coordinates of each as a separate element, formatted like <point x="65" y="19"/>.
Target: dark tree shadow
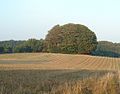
<point x="106" y="53"/>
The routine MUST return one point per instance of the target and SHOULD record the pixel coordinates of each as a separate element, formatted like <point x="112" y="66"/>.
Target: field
<point x="46" y="73"/>
<point x="57" y="61"/>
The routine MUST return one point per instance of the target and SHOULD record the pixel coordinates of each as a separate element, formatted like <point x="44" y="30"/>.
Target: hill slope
<point x="57" y="61"/>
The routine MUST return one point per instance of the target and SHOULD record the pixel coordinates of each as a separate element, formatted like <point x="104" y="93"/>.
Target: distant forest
<point x="31" y="45"/>
<point x="104" y="48"/>
<point x="67" y="39"/>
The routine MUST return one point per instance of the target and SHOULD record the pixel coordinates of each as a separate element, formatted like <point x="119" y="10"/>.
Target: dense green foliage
<point x="71" y="38"/>
<point x="106" y="48"/>
<point x="1" y="49"/>
<point x="9" y="46"/>
<point x="31" y="45"/>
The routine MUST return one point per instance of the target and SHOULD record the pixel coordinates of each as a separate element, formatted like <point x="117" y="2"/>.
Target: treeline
<point x="106" y="48"/>
<point x="31" y="45"/>
<point x="68" y="39"/>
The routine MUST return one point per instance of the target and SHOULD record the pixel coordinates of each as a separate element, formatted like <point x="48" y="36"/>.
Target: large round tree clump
<point x="71" y="38"/>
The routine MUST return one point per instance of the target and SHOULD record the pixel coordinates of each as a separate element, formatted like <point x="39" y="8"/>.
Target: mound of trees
<point x="71" y="38"/>
<point x="106" y="48"/>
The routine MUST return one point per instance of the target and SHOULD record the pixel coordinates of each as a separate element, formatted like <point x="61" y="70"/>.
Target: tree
<point x="108" y="49"/>
<point x="35" y="45"/>
<point x="9" y="46"/>
<point x="22" y="48"/>
<point x="71" y="38"/>
<point x="31" y="45"/>
<point x="1" y="50"/>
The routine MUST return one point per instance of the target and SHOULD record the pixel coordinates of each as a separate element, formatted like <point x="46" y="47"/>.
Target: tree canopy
<point x="71" y="38"/>
<point x="31" y="45"/>
<point x="9" y="46"/>
<point x="106" y="48"/>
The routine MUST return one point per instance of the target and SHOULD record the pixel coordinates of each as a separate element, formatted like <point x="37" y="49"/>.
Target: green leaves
<point x="71" y="38"/>
<point x="106" y="48"/>
<point x="32" y="45"/>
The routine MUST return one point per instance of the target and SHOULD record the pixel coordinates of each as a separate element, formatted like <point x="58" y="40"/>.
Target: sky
<point x="25" y="19"/>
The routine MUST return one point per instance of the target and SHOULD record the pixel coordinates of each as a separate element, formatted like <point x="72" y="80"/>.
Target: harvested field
<point x="45" y="73"/>
<point x="57" y="61"/>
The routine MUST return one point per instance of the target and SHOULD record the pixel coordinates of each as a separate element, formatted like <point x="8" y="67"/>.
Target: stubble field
<point x="45" y="73"/>
<point x="57" y="61"/>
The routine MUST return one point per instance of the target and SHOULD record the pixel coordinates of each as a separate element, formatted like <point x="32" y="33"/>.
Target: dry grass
<point x="108" y="84"/>
<point x="57" y="61"/>
<point x="59" y="82"/>
<point x="45" y="73"/>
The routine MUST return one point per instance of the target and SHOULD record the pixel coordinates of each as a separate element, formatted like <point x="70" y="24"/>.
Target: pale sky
<point x="24" y="19"/>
